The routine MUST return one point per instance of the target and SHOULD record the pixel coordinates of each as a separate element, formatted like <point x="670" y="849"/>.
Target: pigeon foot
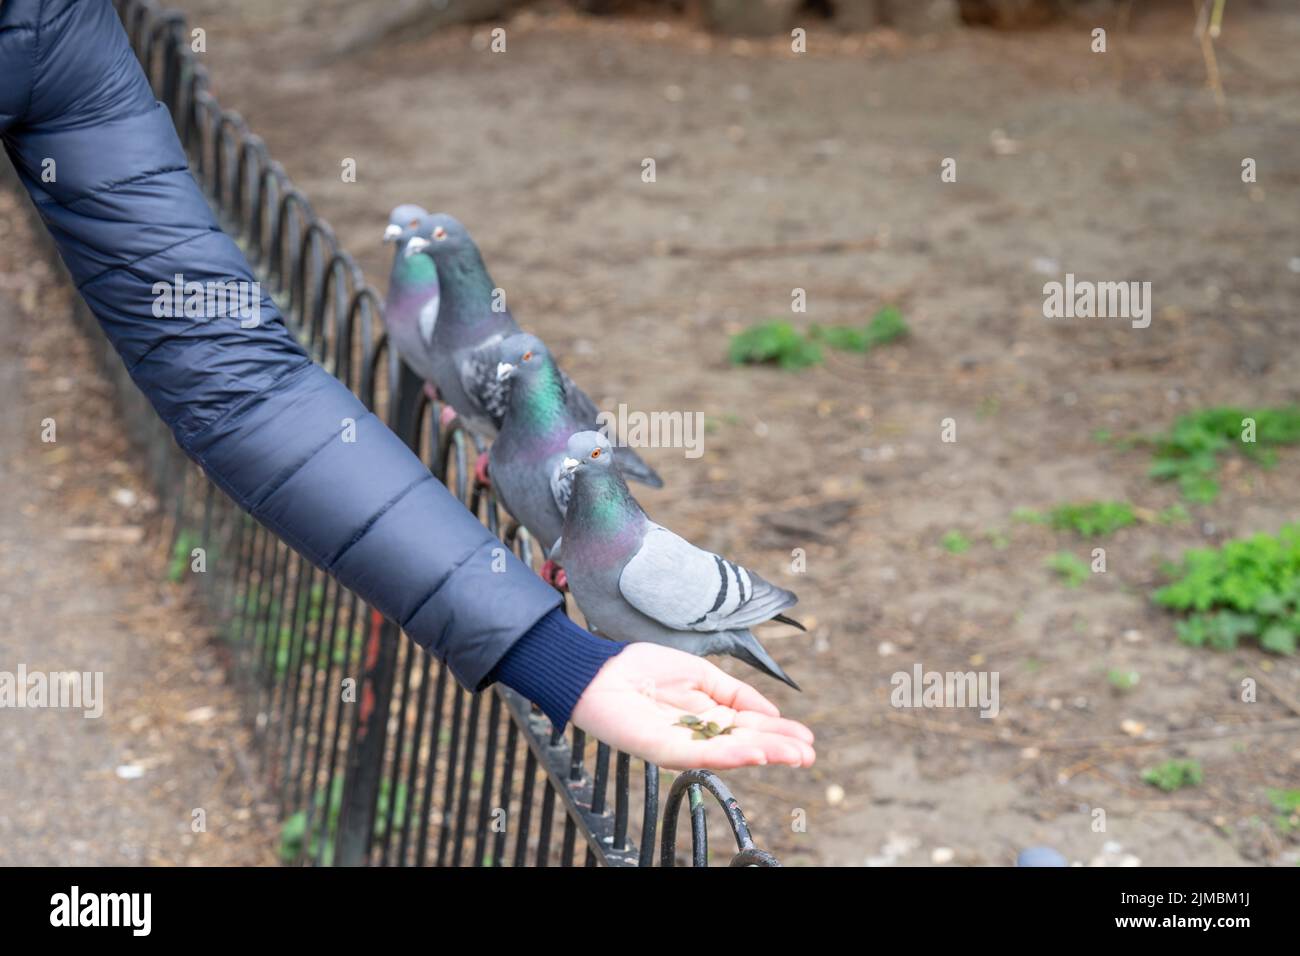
<point x="554" y="575"/>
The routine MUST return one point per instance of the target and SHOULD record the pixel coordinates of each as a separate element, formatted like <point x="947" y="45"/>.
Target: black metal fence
<point x="375" y="753"/>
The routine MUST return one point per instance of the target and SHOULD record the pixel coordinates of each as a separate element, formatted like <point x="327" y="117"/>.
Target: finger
<point x="695" y="702"/>
<point x="736" y="694"/>
<point x="718" y="753"/>
<point x="773" y="725"/>
<point x="777" y="748"/>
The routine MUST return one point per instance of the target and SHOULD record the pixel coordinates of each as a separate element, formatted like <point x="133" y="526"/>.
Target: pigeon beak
<point x="417" y="244"/>
<point x="392" y="232"/>
<point x="570" y="465"/>
<point x="504" y="370"/>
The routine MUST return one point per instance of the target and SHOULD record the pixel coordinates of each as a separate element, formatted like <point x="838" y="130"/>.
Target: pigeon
<point x="637" y="581"/>
<point x="531" y="446"/>
<point x="472" y="320"/>
<point x="411" y="309"/>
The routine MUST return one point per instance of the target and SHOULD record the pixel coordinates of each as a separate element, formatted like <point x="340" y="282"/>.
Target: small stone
<point x="200" y="715"/>
<point x="835" y="795"/>
<point x="942" y="854"/>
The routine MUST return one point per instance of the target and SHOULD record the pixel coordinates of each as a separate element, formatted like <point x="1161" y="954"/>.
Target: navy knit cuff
<point x="553" y="663"/>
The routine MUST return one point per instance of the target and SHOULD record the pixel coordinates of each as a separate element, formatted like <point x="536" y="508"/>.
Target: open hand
<point x="638" y="696"/>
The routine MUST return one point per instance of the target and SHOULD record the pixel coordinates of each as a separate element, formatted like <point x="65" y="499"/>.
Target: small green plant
<point x="778" y="342"/>
<point x="1189" y="451"/>
<point x="885" y="326"/>
<point x="1092" y="518"/>
<point x="1287" y="805"/>
<point x="1174" y="514"/>
<point x="1070" y="568"/>
<point x="1174" y="775"/>
<point x="954" y="542"/>
<point x="998" y="539"/>
<point x="293" y="832"/>
<point x="186" y="542"/>
<point x="1122" y="680"/>
<point x="1248" y="588"/>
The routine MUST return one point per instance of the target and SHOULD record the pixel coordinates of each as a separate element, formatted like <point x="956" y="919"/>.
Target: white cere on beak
<point x="392" y="233"/>
<point x="417" y="244"/>
<point x="503" y="371"/>
<point x="570" y="464"/>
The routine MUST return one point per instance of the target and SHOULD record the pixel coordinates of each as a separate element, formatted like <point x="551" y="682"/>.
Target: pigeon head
<point x="449" y="241"/>
<point x="404" y="222"/>
<point x="589" y="451"/>
<point x="522" y="356"/>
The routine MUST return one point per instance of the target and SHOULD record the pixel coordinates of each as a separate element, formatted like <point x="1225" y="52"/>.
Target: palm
<point x="637" y="699"/>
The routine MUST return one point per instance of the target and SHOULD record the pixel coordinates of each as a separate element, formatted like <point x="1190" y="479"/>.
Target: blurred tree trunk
<point x="415" y="18"/>
<point x="1007" y="13"/>
<point x="921" y="16"/>
<point x="750" y="17"/>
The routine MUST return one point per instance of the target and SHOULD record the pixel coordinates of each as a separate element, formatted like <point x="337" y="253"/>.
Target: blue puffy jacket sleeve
<point x="102" y="162"/>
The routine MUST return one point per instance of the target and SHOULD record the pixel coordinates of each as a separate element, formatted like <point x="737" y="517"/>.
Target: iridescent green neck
<point x="541" y="403"/>
<point x="602" y="497"/>
<point x="417" y="269"/>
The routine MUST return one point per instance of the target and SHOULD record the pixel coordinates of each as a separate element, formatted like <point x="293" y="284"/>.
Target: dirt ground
<point x="83" y="588"/>
<point x="1111" y="166"/>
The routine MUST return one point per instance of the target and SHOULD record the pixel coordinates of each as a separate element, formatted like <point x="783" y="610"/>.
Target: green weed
<point x="1248" y="588"/>
<point x="778" y="342"/>
<point x="1189" y="451"/>
<point x="1072" y="569"/>
<point x="1174" y="775"/>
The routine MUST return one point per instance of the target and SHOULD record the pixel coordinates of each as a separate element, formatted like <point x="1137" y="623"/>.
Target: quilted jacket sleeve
<point x="105" y="169"/>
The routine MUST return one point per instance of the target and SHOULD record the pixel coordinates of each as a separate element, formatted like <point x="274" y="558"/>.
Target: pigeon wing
<point x="690" y="589"/>
<point x="478" y="376"/>
<point x="561" y="487"/>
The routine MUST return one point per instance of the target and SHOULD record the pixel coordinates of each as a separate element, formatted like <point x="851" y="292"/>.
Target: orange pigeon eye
<point x="595" y="453"/>
<point x="440" y="233"/>
<point x="528" y="356"/>
<point x="413" y="223"/>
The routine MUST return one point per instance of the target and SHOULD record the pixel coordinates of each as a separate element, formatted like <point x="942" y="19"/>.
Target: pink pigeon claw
<point x="481" y="470"/>
<point x="446" y="416"/>
<point x="554" y="575"/>
<point x="432" y="391"/>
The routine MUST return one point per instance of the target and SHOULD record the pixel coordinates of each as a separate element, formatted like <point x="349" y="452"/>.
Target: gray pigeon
<point x="529" y="449"/>
<point x="472" y="320"/>
<point x="411" y="309"/>
<point x="637" y="581"/>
